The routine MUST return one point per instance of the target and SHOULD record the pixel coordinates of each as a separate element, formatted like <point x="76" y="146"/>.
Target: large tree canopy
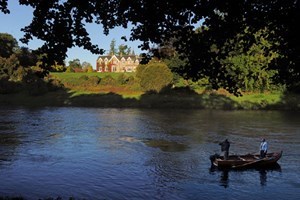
<point x="61" y="24"/>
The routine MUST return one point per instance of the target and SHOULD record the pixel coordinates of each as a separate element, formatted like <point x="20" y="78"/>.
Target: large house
<point x="113" y="63"/>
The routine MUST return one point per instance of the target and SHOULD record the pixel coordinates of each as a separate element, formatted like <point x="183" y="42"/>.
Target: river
<point x="91" y="153"/>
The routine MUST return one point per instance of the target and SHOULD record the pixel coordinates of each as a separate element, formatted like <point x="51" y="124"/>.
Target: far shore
<point x="62" y="98"/>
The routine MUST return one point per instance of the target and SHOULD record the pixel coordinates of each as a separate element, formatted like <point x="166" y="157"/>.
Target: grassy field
<point x="77" y="87"/>
<point x="262" y="99"/>
<point x="68" y="77"/>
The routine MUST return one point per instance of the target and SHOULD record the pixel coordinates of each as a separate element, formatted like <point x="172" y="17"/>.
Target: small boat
<point x="245" y="161"/>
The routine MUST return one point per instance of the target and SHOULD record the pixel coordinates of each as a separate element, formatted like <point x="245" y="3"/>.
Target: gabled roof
<point x="132" y="57"/>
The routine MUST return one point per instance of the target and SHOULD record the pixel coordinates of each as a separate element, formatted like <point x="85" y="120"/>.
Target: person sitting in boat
<point x="263" y="148"/>
<point x="225" y="148"/>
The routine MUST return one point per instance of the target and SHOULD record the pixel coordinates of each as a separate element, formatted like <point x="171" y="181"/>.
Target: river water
<point x="90" y="153"/>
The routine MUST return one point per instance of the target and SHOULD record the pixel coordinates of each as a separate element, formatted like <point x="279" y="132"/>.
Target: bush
<point x="139" y="71"/>
<point x="155" y="76"/>
<point x="83" y="78"/>
<point x="122" y="79"/>
<point x="130" y="80"/>
<point x="108" y="80"/>
<point x="94" y="80"/>
<point x="54" y="85"/>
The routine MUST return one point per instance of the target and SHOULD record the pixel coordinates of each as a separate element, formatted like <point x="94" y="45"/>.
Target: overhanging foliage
<point x="61" y="24"/>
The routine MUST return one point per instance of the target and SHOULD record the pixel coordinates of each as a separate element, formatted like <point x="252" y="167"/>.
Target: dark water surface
<point x="143" y="154"/>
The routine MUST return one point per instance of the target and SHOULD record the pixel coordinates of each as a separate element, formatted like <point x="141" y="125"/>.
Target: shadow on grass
<point x="169" y="98"/>
<point x="172" y="98"/>
<point x="184" y="98"/>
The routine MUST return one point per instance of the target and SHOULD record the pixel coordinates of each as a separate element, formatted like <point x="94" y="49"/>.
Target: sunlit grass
<point x="270" y="98"/>
<point x="65" y="76"/>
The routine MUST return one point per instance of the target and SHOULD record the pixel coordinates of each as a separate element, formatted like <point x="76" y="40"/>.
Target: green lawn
<point x="270" y="98"/>
<point x="77" y="87"/>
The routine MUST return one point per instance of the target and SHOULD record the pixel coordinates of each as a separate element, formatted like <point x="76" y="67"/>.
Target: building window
<point x="129" y="69"/>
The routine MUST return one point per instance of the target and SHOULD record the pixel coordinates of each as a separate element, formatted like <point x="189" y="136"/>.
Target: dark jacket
<point x="225" y="145"/>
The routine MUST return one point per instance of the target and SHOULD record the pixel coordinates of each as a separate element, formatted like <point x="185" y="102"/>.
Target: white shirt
<point x="264" y="146"/>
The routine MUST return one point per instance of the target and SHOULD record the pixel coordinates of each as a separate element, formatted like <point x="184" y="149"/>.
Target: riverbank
<point x="63" y="98"/>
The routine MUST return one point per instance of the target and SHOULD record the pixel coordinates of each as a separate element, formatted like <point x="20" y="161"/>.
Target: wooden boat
<point x="245" y="161"/>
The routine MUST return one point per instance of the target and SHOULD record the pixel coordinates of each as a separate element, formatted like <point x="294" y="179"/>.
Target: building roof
<point x="133" y="57"/>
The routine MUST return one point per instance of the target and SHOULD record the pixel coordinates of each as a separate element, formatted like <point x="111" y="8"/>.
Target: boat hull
<point x="245" y="161"/>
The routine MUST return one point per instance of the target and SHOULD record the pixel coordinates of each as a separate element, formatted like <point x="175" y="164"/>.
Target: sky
<point x="21" y="16"/>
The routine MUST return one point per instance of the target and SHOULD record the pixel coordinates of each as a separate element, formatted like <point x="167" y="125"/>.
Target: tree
<point x="15" y="61"/>
<point x="249" y="65"/>
<point x="123" y="50"/>
<point x="61" y="24"/>
<point x="58" y="68"/>
<point x="26" y="57"/>
<point x="86" y="64"/>
<point x="112" y="50"/>
<point x="87" y="67"/>
<point x="8" y="67"/>
<point x="8" y="45"/>
<point x="75" y="64"/>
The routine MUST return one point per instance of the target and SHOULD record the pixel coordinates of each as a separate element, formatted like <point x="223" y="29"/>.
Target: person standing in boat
<point x="263" y="148"/>
<point x="225" y="148"/>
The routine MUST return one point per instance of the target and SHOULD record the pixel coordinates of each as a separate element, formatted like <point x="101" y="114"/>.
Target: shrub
<point x="93" y="80"/>
<point x="108" y="80"/>
<point x="139" y="71"/>
<point x="130" y="80"/>
<point x="122" y="79"/>
<point x="155" y="76"/>
<point x="83" y="78"/>
<point x="54" y="85"/>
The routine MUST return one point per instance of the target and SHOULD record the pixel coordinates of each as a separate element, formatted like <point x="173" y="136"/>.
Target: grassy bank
<point x="177" y="100"/>
<point x="131" y="96"/>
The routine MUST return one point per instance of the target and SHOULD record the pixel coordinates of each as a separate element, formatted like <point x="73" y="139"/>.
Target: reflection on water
<point x="224" y="178"/>
<point x="263" y="172"/>
<point x="142" y="154"/>
<point x="263" y="177"/>
<point x="9" y="141"/>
